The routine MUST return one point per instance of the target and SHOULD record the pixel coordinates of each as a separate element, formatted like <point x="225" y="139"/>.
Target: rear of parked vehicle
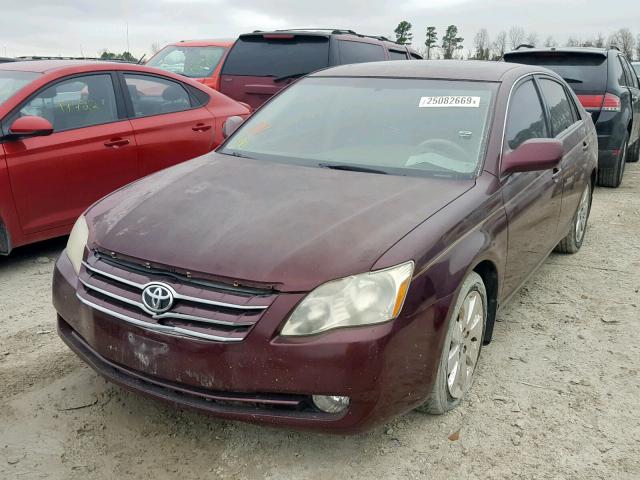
<point x="197" y="59"/>
<point x="260" y="64"/>
<point x="608" y="88"/>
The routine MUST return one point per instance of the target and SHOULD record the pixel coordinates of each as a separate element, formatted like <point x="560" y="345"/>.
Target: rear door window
<point x="397" y="55"/>
<point x="526" y="116"/>
<point x="584" y="72"/>
<point x="255" y="55"/>
<point x="155" y="96"/>
<point x="561" y="113"/>
<point x="359" y="52"/>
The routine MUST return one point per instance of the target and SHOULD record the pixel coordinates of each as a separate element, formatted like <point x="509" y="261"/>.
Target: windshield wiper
<point x="351" y="168"/>
<point x="287" y="77"/>
<point x="236" y="154"/>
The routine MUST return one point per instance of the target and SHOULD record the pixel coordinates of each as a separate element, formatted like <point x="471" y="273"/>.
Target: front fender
<point x="10" y="232"/>
<point x="469" y="232"/>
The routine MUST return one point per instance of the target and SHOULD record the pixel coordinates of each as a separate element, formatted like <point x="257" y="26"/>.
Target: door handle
<point x="201" y="127"/>
<point x="557" y="172"/>
<point x="116" y="142"/>
<point x="585" y="146"/>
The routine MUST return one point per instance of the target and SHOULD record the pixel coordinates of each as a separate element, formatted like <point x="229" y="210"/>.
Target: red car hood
<point x="268" y="223"/>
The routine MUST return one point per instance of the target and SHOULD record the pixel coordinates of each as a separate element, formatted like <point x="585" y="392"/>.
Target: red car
<point x="71" y="132"/>
<point x="341" y="258"/>
<point x="197" y="59"/>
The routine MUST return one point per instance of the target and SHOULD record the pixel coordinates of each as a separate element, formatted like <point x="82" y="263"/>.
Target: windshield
<point x="278" y="57"/>
<point x="195" y="62"/>
<point x="584" y="72"/>
<point x="396" y="126"/>
<point x="12" y="81"/>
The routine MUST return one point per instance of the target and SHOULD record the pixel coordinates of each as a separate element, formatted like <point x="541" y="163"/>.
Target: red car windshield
<point x="12" y="81"/>
<point x="194" y="62"/>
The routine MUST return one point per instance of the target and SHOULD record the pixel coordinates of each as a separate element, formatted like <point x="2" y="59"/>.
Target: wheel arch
<point x="488" y="271"/>
<point x="5" y="239"/>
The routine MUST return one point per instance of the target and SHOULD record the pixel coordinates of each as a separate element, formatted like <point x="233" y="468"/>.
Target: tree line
<point x="451" y="44"/>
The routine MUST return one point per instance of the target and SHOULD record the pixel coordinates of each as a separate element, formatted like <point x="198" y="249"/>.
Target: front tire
<point x="573" y="241"/>
<point x="461" y="348"/>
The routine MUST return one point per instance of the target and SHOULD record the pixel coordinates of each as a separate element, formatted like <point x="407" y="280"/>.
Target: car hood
<point x="265" y="223"/>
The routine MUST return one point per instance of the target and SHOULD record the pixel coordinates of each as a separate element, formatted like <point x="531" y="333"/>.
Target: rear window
<point x="12" y="81"/>
<point x="584" y="72"/>
<point x="277" y="57"/>
<point x="195" y="62"/>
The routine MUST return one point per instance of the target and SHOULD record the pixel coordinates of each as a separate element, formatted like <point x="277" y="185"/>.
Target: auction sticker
<point x="449" y="101"/>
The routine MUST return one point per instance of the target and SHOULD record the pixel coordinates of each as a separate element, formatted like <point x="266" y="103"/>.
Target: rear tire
<point x="635" y="153"/>
<point x="612" y="176"/>
<point x="461" y="348"/>
<point x="573" y="241"/>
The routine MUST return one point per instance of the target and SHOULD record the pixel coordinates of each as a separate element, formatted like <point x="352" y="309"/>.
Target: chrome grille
<point x="197" y="312"/>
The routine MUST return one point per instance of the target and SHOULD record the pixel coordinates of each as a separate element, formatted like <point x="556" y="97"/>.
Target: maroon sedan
<point x="341" y="258"/>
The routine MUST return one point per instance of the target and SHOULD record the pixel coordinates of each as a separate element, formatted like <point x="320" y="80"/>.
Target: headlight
<point x="366" y="299"/>
<point x="76" y="243"/>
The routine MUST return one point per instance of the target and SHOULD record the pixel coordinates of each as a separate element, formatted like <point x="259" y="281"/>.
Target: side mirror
<point x="231" y="125"/>
<point x="533" y="155"/>
<point x="31" y="126"/>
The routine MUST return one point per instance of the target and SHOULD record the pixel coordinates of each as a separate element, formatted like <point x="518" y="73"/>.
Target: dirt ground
<point x="557" y="394"/>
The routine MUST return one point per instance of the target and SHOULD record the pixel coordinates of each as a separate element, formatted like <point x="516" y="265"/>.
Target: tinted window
<point x="358" y="52"/>
<point x="75" y="103"/>
<point x="583" y="72"/>
<point x="257" y="56"/>
<point x="559" y="106"/>
<point x="632" y="80"/>
<point x="618" y="72"/>
<point x="11" y="82"/>
<point x="397" y="55"/>
<point x="416" y="56"/>
<point x="196" y="62"/>
<point x="526" y="117"/>
<point x="404" y="126"/>
<point x="155" y="96"/>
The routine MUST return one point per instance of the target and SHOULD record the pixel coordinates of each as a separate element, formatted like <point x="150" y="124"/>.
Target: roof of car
<point x="525" y="50"/>
<point x="446" y="69"/>
<point x="45" y="66"/>
<point x="219" y="42"/>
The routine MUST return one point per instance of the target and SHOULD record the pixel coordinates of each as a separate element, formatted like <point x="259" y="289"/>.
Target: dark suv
<point x="607" y="86"/>
<point x="261" y="63"/>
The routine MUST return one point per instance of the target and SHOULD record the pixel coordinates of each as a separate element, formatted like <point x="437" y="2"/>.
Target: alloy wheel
<point x="583" y="215"/>
<point x="466" y="341"/>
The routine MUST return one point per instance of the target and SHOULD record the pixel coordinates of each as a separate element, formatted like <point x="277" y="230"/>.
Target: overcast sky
<point x="76" y="27"/>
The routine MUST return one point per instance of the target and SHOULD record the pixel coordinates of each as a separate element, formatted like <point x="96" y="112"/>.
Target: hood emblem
<point x="157" y="298"/>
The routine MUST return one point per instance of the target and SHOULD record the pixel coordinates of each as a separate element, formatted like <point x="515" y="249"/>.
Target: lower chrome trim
<point x="165" y="329"/>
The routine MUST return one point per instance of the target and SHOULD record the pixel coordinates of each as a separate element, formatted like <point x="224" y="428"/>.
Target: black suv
<point x="260" y="64"/>
<point x="608" y="88"/>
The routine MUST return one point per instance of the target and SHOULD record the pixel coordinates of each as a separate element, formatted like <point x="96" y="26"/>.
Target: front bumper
<point x="386" y="370"/>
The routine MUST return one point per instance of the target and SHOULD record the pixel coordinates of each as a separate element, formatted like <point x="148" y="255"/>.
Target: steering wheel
<point x="444" y="147"/>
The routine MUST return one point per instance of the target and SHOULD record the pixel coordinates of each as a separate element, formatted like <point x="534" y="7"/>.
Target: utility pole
<point x="128" y="37"/>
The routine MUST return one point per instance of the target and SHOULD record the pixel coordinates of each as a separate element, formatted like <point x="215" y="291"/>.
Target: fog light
<point x="330" y="403"/>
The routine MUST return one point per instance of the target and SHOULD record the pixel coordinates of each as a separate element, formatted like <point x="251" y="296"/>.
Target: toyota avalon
<point x="341" y="258"/>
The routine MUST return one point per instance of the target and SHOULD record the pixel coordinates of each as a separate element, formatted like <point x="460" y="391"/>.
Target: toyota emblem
<point x="157" y="298"/>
